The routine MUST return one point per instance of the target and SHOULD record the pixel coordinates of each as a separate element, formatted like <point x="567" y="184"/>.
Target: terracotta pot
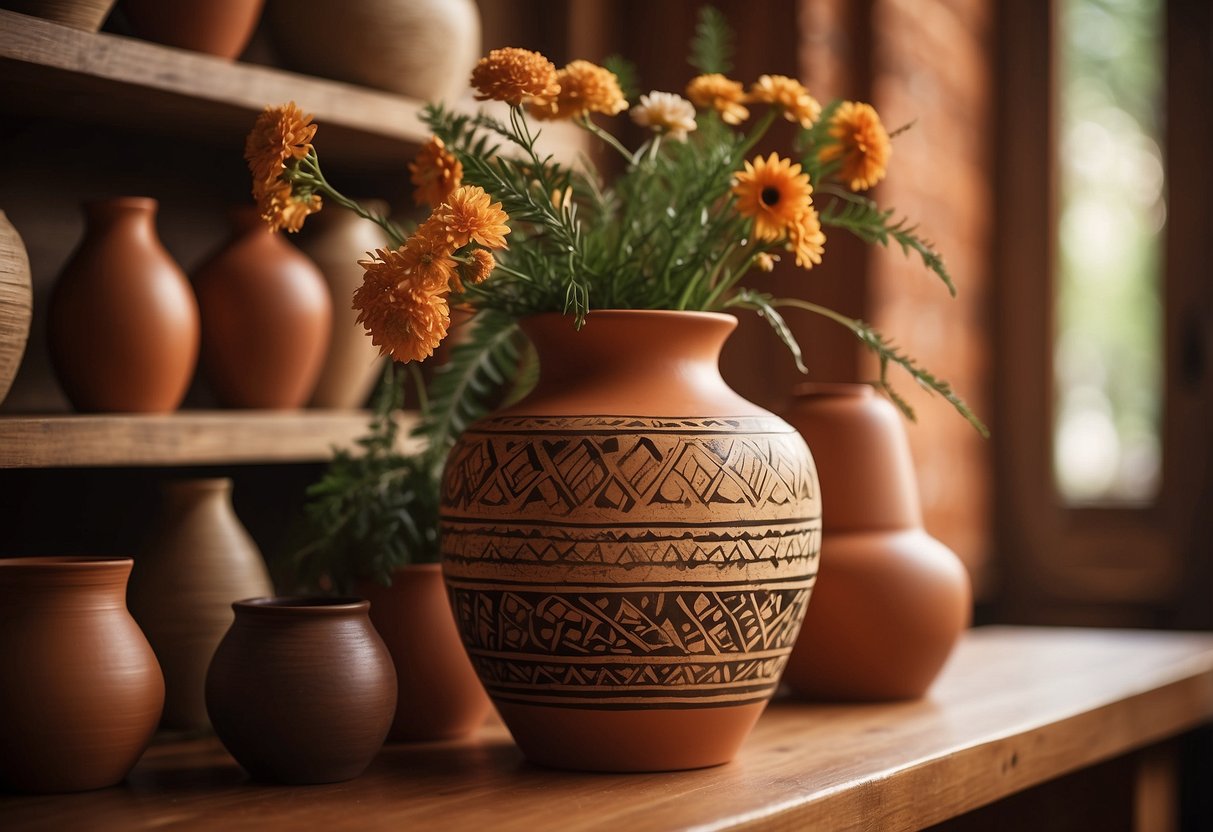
<point x="302" y="690"/>
<point x="81" y="691"/>
<point x="216" y="27"/>
<point x="424" y="49"/>
<point x="198" y="561"/>
<point x="79" y="14"/>
<point x="336" y="241"/>
<point x="891" y="601"/>
<point x="123" y="321"/>
<point x="16" y="303"/>
<point x="266" y="319"/>
<point x="630" y="549"/>
<point x="438" y="694"/>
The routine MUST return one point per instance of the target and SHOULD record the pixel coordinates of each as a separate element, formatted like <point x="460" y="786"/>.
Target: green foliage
<point x="712" y="45"/>
<point x="625" y="73"/>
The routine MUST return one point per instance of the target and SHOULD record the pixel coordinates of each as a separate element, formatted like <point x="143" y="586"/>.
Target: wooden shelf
<point x="1015" y="708"/>
<point x="182" y="438"/>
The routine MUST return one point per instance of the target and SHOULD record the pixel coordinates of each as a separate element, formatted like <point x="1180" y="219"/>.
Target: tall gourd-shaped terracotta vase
<point x="123" y="321"/>
<point x="630" y="549"/>
<point x="216" y="27"/>
<point x="266" y="318"/>
<point x="80" y="691"/>
<point x="198" y="561"/>
<point x="891" y="601"/>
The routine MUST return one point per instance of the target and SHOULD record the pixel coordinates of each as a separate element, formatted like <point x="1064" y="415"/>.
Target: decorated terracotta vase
<point x="80" y="690"/>
<point x="266" y="318"/>
<point x="438" y="694"/>
<point x="892" y="600"/>
<point x="123" y="321"/>
<point x="630" y="549"/>
<point x="216" y="27"/>
<point x="16" y="303"/>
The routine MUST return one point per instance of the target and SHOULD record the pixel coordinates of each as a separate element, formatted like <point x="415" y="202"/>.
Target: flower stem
<point x="316" y="176"/>
<point x="591" y="127"/>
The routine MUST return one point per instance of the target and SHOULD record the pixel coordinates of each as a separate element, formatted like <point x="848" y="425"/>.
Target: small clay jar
<point x="302" y="690"/>
<point x="439" y="696"/>
<point x="890" y="600"/>
<point x="217" y="27"/>
<point x="123" y="321"/>
<point x="80" y="693"/>
<point x="266" y="318"/>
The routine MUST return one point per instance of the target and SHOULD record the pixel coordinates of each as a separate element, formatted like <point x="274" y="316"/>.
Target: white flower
<point x="666" y="113"/>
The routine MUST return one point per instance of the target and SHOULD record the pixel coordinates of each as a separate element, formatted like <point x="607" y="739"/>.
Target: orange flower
<point x="806" y="239"/>
<point x="774" y="192"/>
<point x="513" y="74"/>
<point x="861" y="142"/>
<point x="481" y="267"/>
<point x="716" y="92"/>
<point x="468" y="216"/>
<point x="426" y="257"/>
<point x="584" y="88"/>
<point x="789" y="95"/>
<point x="283" y="209"/>
<point x="766" y="262"/>
<point x="281" y="134"/>
<point x="405" y="318"/>
<point x="434" y="173"/>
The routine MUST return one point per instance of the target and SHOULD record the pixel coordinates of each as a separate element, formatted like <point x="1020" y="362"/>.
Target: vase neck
<point x="181" y="495"/>
<point x="134" y="215"/>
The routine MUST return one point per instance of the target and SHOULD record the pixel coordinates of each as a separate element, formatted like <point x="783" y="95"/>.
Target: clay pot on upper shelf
<point x="438" y="694"/>
<point x="123" y="320"/>
<point x="424" y="49"/>
<point x="891" y="601"/>
<point x="217" y="27"/>
<point x="80" y="691"/>
<point x="266" y="318"/>
<point x="630" y="549"/>
<point x="87" y="15"/>
<point x="16" y="303"/>
<point x="198" y="561"/>
<point x="302" y="690"/>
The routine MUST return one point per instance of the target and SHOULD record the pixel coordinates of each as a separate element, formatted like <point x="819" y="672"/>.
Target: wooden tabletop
<point x="1015" y="707"/>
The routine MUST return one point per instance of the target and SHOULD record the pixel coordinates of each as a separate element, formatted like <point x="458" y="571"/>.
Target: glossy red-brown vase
<point x="891" y="601"/>
<point x="216" y="27"/>
<point x="266" y="319"/>
<point x="123" y="321"/>
<point x="80" y="691"/>
<point x="630" y="549"/>
<point x="302" y="690"/>
<point x="438" y="694"/>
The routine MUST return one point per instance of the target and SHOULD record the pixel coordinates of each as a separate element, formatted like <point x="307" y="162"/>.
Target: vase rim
<point x="302" y="605"/>
<point x="67" y="562"/>
<point x="143" y="203"/>
<point x="642" y="313"/>
<point x="808" y="389"/>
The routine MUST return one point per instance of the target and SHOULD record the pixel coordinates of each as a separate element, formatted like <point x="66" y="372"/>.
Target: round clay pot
<point x="438" y="694"/>
<point x="87" y="15"/>
<point x="891" y="601"/>
<point x="630" y="549"/>
<point x="302" y="690"/>
<point x="16" y="303"/>
<point x="424" y="49"/>
<point x="217" y="27"/>
<point x="198" y="561"/>
<point x="335" y="241"/>
<point x="266" y="319"/>
<point x="81" y="691"/>
<point x="123" y="321"/>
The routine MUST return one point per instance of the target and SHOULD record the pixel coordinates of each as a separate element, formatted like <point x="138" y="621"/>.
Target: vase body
<point x="302" y="690"/>
<point x="424" y="49"/>
<point x="123" y="320"/>
<point x="631" y="548"/>
<point x="81" y="691"/>
<point x="891" y="601"/>
<point x="216" y="27"/>
<point x="87" y="15"/>
<point x="16" y="303"/>
<point x="335" y="241"/>
<point x="198" y="561"/>
<point x="266" y="319"/>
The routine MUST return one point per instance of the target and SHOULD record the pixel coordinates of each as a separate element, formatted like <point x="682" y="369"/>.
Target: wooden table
<point x="1015" y="708"/>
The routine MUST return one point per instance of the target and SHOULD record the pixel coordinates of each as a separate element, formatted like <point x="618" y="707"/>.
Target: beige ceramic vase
<point x="266" y="319"/>
<point x="198" y="561"/>
<point x="216" y="27"/>
<point x="16" y="303"/>
<point x="630" y="549"/>
<point x="891" y="600"/>
<point x="123" y="321"/>
<point x="87" y="15"/>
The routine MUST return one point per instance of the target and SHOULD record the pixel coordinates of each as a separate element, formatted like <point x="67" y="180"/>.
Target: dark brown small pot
<point x="439" y="695"/>
<point x="217" y="27"/>
<point x="302" y="690"/>
<point x="80" y="689"/>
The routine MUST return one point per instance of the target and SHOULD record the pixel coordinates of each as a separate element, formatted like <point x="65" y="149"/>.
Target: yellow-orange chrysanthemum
<point x="481" y="267"/>
<point x="426" y="257"/>
<point x="861" y="142"/>
<point x="514" y="75"/>
<point x="774" y="192"/>
<point x="469" y="216"/>
<point x="405" y="319"/>
<point x="434" y="173"/>
<point x="584" y="88"/>
<point x="724" y="95"/>
<point x="789" y="95"/>
<point x="281" y="136"/>
<point x="766" y="262"/>
<point x="806" y="240"/>
<point x="283" y="209"/>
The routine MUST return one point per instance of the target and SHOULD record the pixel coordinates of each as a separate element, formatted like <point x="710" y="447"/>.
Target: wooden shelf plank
<point x="1014" y="708"/>
<point x="182" y="438"/>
